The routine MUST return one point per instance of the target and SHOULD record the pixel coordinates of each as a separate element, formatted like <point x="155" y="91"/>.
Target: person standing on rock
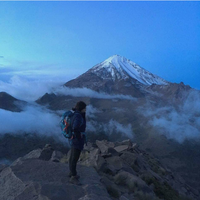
<point x="78" y="124"/>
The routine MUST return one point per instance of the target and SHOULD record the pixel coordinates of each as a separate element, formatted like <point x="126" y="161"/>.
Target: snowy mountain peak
<point x="118" y="67"/>
<point x="115" y="58"/>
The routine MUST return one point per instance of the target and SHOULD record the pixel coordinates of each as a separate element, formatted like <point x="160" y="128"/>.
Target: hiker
<point x="78" y="124"/>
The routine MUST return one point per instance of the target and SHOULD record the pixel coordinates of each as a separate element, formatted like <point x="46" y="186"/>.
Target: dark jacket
<point x="78" y="126"/>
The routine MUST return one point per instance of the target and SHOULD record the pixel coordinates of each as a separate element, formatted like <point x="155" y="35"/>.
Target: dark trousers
<point x="74" y="156"/>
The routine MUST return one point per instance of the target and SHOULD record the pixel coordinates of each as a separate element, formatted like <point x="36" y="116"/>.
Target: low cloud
<point x="85" y="92"/>
<point x="40" y="120"/>
<point x="33" y="119"/>
<point x="91" y="111"/>
<point x="112" y="127"/>
<point x="28" y="90"/>
<point x="179" y="124"/>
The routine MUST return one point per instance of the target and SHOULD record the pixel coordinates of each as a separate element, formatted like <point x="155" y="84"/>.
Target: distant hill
<point x="8" y="102"/>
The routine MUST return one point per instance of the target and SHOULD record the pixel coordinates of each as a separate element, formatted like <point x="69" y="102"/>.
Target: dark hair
<point x="80" y="106"/>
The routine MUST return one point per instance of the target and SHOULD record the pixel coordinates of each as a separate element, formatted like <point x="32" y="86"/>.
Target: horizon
<point x="54" y="42"/>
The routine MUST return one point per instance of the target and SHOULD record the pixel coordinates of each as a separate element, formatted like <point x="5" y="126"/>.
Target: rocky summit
<point x="108" y="171"/>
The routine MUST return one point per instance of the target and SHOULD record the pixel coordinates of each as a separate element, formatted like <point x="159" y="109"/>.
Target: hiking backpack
<point x="65" y="124"/>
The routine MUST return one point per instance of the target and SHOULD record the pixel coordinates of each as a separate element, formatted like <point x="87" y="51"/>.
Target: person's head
<point x="80" y="106"/>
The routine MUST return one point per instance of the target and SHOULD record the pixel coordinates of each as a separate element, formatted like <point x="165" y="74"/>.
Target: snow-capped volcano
<point x="118" y="68"/>
<point x="117" y="75"/>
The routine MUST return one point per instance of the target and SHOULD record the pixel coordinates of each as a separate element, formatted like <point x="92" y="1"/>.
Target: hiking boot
<point x="74" y="180"/>
<point x="70" y="175"/>
<point x="77" y="176"/>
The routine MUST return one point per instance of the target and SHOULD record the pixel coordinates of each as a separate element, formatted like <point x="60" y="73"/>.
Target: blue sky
<point x="61" y="40"/>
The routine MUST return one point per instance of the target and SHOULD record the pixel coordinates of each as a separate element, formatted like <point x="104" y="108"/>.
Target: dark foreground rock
<point x="36" y="179"/>
<point x="107" y="171"/>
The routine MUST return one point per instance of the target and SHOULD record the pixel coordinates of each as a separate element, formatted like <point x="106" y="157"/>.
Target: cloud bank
<point x="33" y="119"/>
<point x="29" y="85"/>
<point x="24" y="89"/>
<point x="179" y="124"/>
<point x="85" y="92"/>
<point x="112" y="127"/>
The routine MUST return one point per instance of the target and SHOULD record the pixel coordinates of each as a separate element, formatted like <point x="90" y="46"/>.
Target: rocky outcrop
<point x="107" y="170"/>
<point x="36" y="177"/>
<point x="128" y="172"/>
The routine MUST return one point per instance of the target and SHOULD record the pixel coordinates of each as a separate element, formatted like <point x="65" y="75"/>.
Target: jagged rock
<point x="89" y="146"/>
<point x="94" y="153"/>
<point x="56" y="156"/>
<point x="104" y="145"/>
<point x="46" y="152"/>
<point x="110" y="152"/>
<point x="100" y="164"/>
<point x="89" y="158"/>
<point x="85" y="155"/>
<point x="121" y="148"/>
<point x="124" y="142"/>
<point x="33" y="154"/>
<point x="131" y="174"/>
<point x="43" y="154"/>
<point x="134" y="145"/>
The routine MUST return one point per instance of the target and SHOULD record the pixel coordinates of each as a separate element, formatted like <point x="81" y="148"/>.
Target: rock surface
<point x="105" y="174"/>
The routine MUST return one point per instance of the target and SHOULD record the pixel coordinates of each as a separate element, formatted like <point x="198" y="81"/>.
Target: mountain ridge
<point x="107" y="171"/>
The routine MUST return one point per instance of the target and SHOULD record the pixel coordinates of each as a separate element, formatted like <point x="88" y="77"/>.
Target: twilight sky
<point x="57" y="41"/>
